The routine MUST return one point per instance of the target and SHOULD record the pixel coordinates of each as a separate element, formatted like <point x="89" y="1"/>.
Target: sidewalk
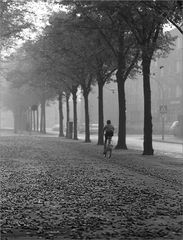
<point x="168" y="139"/>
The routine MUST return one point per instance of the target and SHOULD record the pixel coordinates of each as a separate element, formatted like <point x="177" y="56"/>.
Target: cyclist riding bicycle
<point x="108" y="131"/>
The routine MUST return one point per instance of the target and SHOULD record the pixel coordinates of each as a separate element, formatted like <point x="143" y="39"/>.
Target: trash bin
<point x="70" y="130"/>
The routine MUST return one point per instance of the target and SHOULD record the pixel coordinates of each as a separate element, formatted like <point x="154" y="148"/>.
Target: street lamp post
<point x="162" y="107"/>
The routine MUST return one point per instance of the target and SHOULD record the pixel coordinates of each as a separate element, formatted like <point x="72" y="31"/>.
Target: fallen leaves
<point x="54" y="188"/>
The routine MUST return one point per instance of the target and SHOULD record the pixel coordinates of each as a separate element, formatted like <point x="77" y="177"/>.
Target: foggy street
<point x="75" y="75"/>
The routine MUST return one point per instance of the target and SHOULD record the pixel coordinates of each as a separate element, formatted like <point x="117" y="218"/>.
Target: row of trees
<point x="17" y="20"/>
<point x="86" y="45"/>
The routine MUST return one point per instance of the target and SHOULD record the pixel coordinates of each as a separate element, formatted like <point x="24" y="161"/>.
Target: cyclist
<point x="108" y="131"/>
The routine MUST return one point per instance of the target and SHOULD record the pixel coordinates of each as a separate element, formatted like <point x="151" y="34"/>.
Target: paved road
<point x="168" y="148"/>
<point x="136" y="142"/>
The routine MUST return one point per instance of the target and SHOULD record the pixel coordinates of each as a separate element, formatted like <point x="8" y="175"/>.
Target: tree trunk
<point x="41" y="121"/>
<point x="121" y="144"/>
<point x="30" y="119"/>
<point x="100" y="113"/>
<point x="67" y="114"/>
<point x="15" y="122"/>
<point x="34" y="120"/>
<point x="74" y="93"/>
<point x="61" y="117"/>
<point x="87" y="120"/>
<point x="27" y="120"/>
<point x="43" y="117"/>
<point x="23" y="120"/>
<point x="146" y="62"/>
<point x="37" y="119"/>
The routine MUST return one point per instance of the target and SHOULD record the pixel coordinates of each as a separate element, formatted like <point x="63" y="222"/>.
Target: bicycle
<point x="108" y="148"/>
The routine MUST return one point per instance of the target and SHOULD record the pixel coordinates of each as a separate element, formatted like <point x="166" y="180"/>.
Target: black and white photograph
<point x="91" y="119"/>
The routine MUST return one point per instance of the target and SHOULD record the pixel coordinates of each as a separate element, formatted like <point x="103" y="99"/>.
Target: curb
<point x="166" y="141"/>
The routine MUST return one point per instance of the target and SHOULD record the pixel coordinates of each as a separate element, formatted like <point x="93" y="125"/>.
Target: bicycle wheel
<point x="108" y="153"/>
<point x="109" y="149"/>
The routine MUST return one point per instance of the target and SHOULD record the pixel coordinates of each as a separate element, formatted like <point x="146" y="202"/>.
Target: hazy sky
<point x="39" y="17"/>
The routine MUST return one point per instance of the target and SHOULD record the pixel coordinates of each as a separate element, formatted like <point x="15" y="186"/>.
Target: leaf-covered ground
<point x="64" y="189"/>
